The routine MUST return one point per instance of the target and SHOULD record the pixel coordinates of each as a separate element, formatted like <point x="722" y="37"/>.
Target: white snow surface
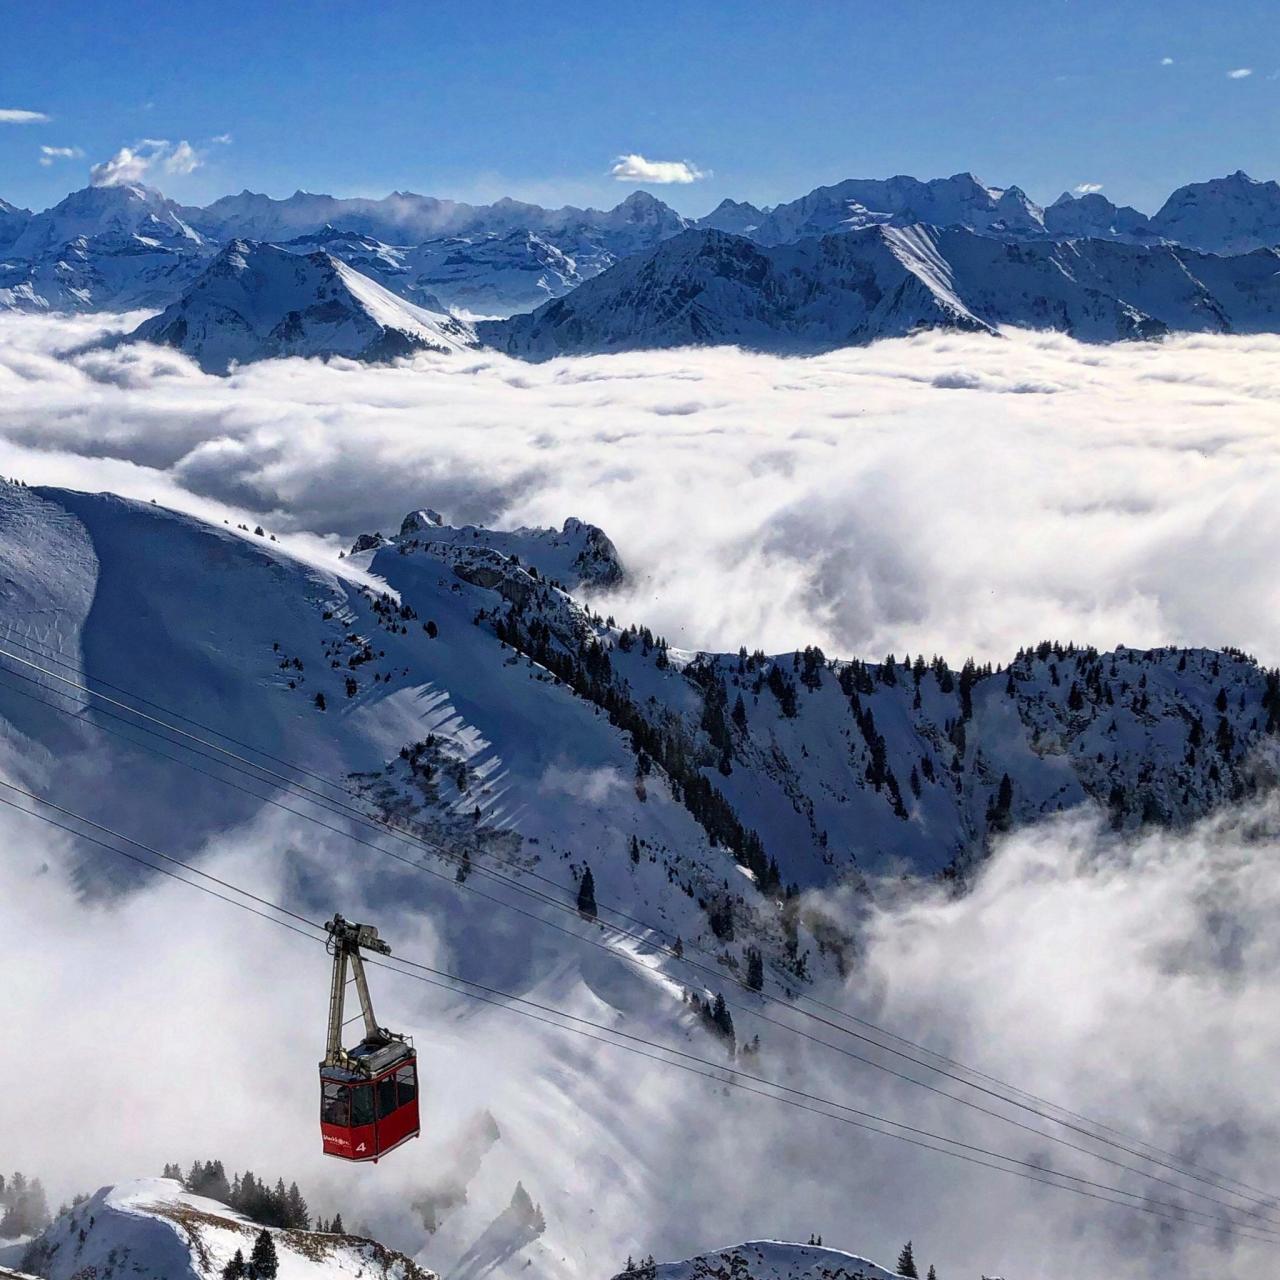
<point x="708" y="287"/>
<point x="766" y="1260"/>
<point x="256" y="301"/>
<point x="152" y="1229"/>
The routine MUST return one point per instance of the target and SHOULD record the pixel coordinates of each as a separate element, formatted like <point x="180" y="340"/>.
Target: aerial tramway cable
<point x="724" y="1075"/>
<point x="235" y="761"/>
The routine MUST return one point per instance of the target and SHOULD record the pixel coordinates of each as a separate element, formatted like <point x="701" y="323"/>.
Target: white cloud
<point x="1125" y="493"/>
<point x="1240" y="73"/>
<point x="1087" y="188"/>
<point x="1166" y="62"/>
<point x="635" y="168"/>
<point x="11" y="115"/>
<point x="50" y="154"/>
<point x="222" y="139"/>
<point x="133" y="164"/>
<point x="182" y="159"/>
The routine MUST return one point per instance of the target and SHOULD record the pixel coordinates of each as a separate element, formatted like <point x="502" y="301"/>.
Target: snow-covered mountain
<point x="960" y="200"/>
<point x="1225" y="215"/>
<point x="255" y="301"/>
<point x="764" y="1260"/>
<point x="122" y="247"/>
<point x="438" y="676"/>
<point x="153" y="1229"/>
<point x="103" y="248"/>
<point x="12" y="223"/>
<point x="706" y="287"/>
<point x="116" y="213"/>
<point x="1092" y="215"/>
<point x="735" y="216"/>
<point x="825" y="768"/>
<point x="491" y="275"/>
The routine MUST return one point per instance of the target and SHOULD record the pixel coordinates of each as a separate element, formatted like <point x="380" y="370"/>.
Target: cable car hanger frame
<point x="368" y="1094"/>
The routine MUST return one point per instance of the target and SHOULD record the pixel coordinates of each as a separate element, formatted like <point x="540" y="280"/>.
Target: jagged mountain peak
<point x="578" y="555"/>
<point x="258" y="300"/>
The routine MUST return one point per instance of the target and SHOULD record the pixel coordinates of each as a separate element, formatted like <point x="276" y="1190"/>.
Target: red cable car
<point x="369" y="1094"/>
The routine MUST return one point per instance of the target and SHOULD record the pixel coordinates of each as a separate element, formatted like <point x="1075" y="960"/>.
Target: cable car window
<point x="407" y="1082"/>
<point x="335" y="1104"/>
<point x="362" y="1104"/>
<point x="386" y="1096"/>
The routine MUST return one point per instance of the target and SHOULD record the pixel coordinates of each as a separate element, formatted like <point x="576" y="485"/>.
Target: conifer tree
<point x="263" y="1262"/>
<point x="907" y="1262"/>
<point x="235" y="1268"/>
<point x="336" y="1227"/>
<point x="587" y="894"/>
<point x="933" y="1275"/>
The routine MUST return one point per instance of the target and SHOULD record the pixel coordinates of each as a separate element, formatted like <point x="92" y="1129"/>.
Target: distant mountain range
<point x="510" y="256"/>
<point x="711" y="288"/>
<point x="845" y="264"/>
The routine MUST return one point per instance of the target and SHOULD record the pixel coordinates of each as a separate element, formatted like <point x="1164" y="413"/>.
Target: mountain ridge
<point x="510" y="255"/>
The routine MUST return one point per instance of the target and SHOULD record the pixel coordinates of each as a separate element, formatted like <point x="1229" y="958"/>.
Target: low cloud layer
<point x="635" y="168"/>
<point x="947" y="493"/>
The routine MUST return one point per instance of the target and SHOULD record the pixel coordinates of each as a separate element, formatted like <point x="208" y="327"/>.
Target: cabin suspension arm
<point x="345" y="941"/>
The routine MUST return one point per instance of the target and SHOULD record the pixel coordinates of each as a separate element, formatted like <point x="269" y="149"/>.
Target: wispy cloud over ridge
<point x="135" y="163"/>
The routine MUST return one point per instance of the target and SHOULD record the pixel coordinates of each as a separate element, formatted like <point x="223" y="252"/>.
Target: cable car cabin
<point x="362" y="1117"/>
<point x="369" y="1094"/>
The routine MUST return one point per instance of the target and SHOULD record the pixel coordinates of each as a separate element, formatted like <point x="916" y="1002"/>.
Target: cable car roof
<point x="371" y="1060"/>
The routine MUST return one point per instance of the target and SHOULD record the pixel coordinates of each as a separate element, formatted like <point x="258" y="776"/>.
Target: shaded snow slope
<point x="825" y="768"/>
<point x="707" y="287"/>
<point x="1228" y="215"/>
<point x="765" y="1260"/>
<point x="154" y="1230"/>
<point x="258" y="301"/>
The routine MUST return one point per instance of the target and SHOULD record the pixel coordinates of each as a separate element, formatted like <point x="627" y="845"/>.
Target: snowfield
<point x="766" y="1260"/>
<point x="155" y="1230"/>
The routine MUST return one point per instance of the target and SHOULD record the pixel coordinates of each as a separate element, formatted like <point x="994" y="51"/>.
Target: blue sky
<point x="766" y="100"/>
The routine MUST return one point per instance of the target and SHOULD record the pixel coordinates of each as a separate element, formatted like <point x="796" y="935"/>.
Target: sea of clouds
<point x="945" y="493"/>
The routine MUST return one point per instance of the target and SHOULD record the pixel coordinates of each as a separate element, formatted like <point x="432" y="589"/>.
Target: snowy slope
<point x="706" y="287"/>
<point x="577" y="555"/>
<point x="476" y="704"/>
<point x="1234" y="214"/>
<point x="1092" y="215"/>
<point x="114" y="212"/>
<point x="103" y="248"/>
<point x="12" y="222"/>
<point x="154" y="1230"/>
<point x="835" y="766"/>
<point x="258" y="301"/>
<point x="406" y="219"/>
<point x="960" y="200"/>
<point x="764" y="1260"/>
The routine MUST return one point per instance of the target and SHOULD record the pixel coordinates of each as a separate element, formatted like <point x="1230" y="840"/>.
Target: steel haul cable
<point x="726" y="1076"/>
<point x="1184" y="1169"/>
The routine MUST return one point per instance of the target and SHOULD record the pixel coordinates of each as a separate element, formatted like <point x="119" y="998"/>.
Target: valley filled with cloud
<point x="944" y="493"/>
